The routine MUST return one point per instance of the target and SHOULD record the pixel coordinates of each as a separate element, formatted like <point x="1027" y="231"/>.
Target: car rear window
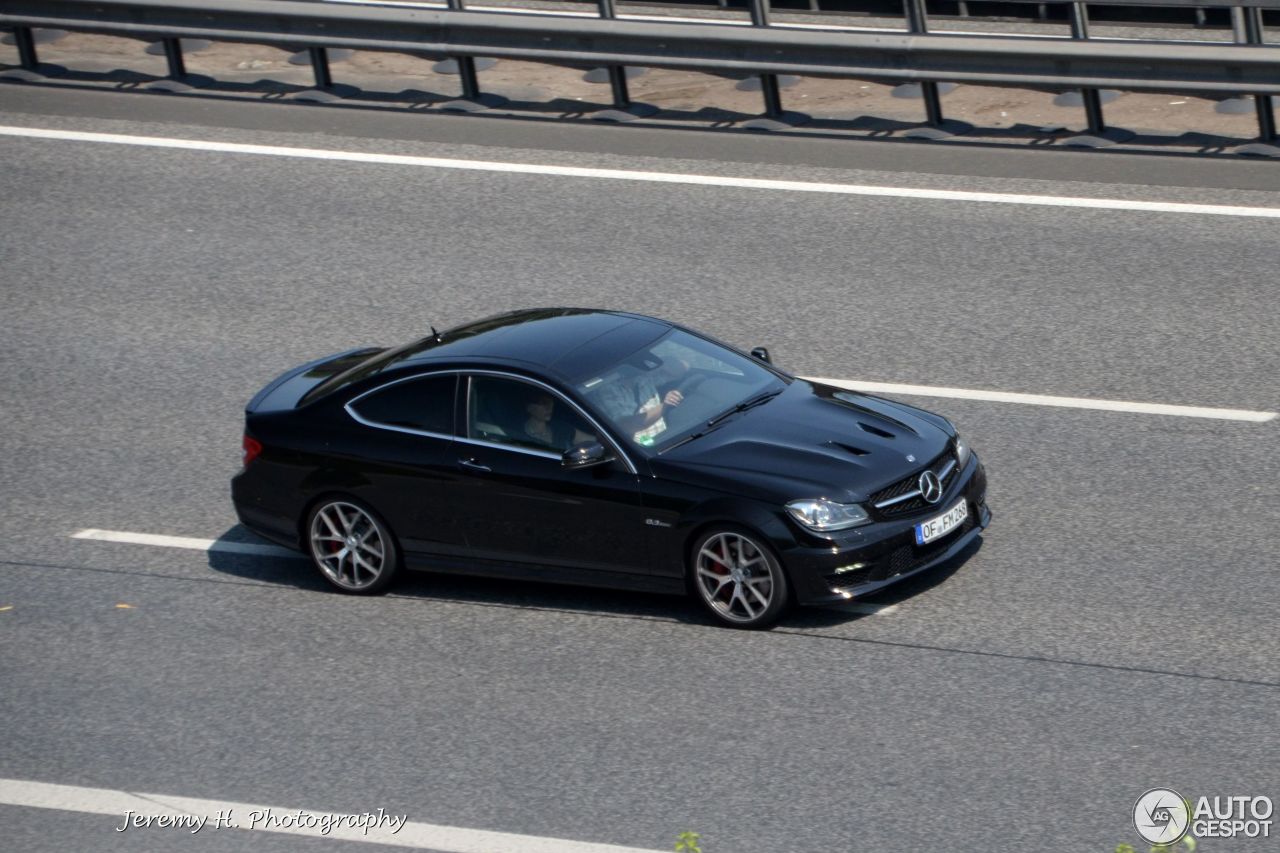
<point x="424" y="404"/>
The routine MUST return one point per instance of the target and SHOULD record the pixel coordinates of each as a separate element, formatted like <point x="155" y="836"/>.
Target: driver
<point x="636" y="407"/>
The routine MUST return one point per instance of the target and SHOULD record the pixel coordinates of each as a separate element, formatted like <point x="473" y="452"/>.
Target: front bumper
<point x="858" y="562"/>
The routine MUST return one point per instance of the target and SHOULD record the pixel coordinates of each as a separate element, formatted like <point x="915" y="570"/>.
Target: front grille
<point x="911" y="557"/>
<point x="901" y="560"/>
<point x="907" y="485"/>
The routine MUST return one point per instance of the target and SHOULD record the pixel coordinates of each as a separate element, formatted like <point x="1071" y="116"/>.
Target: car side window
<point x="424" y="405"/>
<point x="508" y="411"/>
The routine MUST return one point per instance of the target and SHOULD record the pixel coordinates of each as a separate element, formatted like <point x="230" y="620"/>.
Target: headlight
<point x="962" y="451"/>
<point x="824" y="515"/>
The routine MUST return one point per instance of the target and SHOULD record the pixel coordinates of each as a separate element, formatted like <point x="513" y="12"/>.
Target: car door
<point x="517" y="500"/>
<point x="408" y="460"/>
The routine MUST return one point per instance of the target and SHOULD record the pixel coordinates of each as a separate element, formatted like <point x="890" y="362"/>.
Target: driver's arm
<point x="651" y="409"/>
<point x="679" y="374"/>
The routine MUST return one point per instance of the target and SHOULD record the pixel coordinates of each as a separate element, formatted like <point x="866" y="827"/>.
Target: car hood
<point x="812" y="440"/>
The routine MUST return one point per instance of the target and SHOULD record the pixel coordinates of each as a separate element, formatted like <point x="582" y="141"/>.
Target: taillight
<point x="252" y="447"/>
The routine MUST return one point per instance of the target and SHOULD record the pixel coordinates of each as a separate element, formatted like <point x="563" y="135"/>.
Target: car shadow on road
<point x="284" y="569"/>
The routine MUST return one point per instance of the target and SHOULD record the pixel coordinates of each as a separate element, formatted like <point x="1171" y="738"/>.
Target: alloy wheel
<point x="737" y="579"/>
<point x="349" y="546"/>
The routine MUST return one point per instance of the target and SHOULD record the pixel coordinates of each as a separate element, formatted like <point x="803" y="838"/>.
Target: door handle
<point x="474" y="465"/>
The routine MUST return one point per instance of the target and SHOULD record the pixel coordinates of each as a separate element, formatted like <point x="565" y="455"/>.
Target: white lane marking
<point x="1045" y="400"/>
<point x="650" y="177"/>
<point x="446" y="839"/>
<point x="187" y="542"/>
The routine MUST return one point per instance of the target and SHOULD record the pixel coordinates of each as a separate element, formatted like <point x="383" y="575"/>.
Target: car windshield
<point x="672" y="388"/>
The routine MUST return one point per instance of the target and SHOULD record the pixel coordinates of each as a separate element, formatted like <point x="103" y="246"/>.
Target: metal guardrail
<point x="763" y="49"/>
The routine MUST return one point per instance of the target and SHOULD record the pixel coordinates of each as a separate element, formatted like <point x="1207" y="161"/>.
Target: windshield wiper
<point x="688" y="438"/>
<point x="711" y="424"/>
<point x="744" y="405"/>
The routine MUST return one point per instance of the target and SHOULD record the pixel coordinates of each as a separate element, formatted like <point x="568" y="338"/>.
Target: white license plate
<point x="941" y="525"/>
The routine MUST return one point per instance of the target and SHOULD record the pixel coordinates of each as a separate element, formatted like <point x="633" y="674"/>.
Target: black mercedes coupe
<point x="607" y="449"/>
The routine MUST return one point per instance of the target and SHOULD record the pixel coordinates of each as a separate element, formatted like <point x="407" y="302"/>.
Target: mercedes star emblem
<point x="930" y="487"/>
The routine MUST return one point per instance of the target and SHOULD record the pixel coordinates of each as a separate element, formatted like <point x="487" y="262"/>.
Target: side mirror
<point x="762" y="354"/>
<point x="585" y="455"/>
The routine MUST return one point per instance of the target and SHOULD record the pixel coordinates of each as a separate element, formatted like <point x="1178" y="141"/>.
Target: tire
<point x="737" y="578"/>
<point x="351" y="546"/>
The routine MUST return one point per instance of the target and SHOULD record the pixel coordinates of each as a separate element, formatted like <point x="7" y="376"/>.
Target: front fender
<point x="672" y="550"/>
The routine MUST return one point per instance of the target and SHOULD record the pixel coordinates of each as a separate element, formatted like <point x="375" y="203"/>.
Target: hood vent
<point x="848" y="448"/>
<point x="849" y="400"/>
<point x="875" y="430"/>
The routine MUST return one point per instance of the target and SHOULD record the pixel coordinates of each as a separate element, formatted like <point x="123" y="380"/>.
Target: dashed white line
<point x="186" y="542"/>
<point x="445" y="839"/>
<point x="644" y="176"/>
<point x="1046" y="400"/>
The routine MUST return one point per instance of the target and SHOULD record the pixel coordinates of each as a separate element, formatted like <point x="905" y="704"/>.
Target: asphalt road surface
<point x="1115" y="631"/>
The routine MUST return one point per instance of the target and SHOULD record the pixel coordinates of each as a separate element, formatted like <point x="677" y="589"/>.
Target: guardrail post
<point x="918" y="22"/>
<point x="1247" y="28"/>
<point x="320" y="67"/>
<point x="177" y="80"/>
<point x="623" y="108"/>
<point x="1266" y="108"/>
<point x="173" y="57"/>
<point x="29" y="69"/>
<point x="472" y="100"/>
<point x="768" y="82"/>
<point x="467" y="75"/>
<point x="1097" y="134"/>
<point x="27" y="56"/>
<point x="466" y="66"/>
<point x="321" y="60"/>
<point x="775" y="118"/>
<point x="1239" y="28"/>
<point x="1092" y="99"/>
<point x="617" y="73"/>
<point x="917" y="16"/>
<point x="1237" y="104"/>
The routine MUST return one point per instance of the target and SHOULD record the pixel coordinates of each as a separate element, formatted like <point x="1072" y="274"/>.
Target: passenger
<point x="545" y="429"/>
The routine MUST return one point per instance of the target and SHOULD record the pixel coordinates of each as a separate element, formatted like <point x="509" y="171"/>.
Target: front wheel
<point x="738" y="579"/>
<point x="351" y="546"/>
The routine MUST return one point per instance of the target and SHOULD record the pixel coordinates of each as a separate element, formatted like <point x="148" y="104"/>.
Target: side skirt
<point x="545" y="574"/>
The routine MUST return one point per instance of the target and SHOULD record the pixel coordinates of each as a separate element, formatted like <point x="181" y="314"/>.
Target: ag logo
<point x="1161" y="816"/>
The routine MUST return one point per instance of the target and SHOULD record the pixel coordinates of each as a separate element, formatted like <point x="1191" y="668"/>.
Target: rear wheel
<point x="738" y="579"/>
<point x="351" y="546"/>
